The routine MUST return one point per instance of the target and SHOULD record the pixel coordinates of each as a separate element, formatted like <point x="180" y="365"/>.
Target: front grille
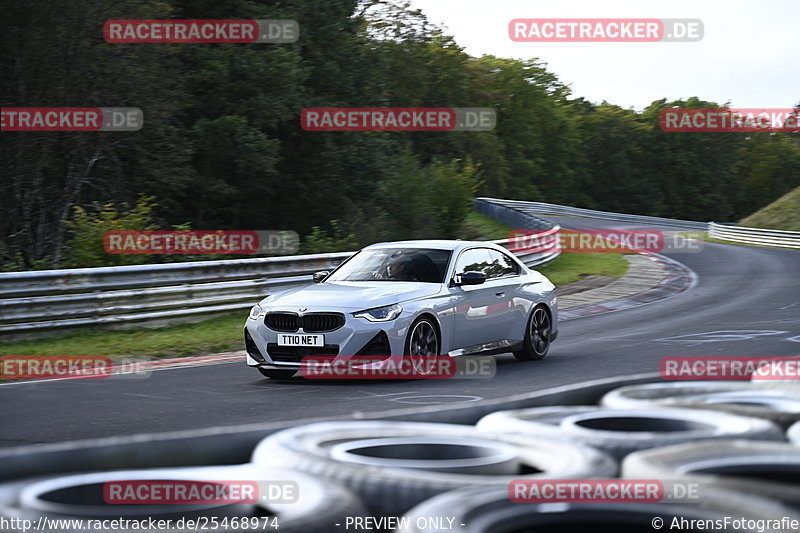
<point x="311" y="323"/>
<point x="293" y="354"/>
<point x="281" y="321"/>
<point x="321" y="322"/>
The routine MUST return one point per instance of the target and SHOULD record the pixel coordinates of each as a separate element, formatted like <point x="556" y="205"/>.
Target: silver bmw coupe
<point x="407" y="299"/>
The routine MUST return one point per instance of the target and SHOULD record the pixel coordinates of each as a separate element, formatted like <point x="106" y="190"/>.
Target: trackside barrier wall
<point x="51" y="302"/>
<point x="745" y="235"/>
<point x="47" y="302"/>
<point x="540" y="208"/>
<point x="767" y="237"/>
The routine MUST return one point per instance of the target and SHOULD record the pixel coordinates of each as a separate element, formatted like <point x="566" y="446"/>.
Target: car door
<point x="479" y="309"/>
<point x="508" y="312"/>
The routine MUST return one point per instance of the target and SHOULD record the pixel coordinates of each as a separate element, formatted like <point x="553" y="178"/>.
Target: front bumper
<point x="357" y="336"/>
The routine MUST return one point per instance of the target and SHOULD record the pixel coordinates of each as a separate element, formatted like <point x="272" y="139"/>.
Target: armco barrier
<point x="515" y="218"/>
<point x="539" y="208"/>
<point x="493" y="207"/>
<point x="45" y="302"/>
<point x="767" y="237"/>
<point x="49" y="302"/>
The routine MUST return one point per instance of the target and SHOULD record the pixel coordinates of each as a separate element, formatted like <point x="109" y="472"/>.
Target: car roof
<point x="438" y="244"/>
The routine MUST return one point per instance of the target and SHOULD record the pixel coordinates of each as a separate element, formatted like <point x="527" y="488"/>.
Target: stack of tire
<point x="81" y="495"/>
<point x="739" y="441"/>
<point x="728" y="438"/>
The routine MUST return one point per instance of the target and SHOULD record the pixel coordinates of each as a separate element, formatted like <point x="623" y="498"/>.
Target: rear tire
<point x="538" y="332"/>
<point x="277" y="374"/>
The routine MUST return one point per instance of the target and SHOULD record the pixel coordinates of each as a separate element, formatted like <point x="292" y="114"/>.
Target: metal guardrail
<point x="39" y="303"/>
<point x="540" y="208"/>
<point x="51" y="302"/>
<point x="768" y="237"/>
<point x="517" y="219"/>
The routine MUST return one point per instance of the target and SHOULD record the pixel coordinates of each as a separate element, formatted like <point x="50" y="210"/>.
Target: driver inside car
<point x="400" y="269"/>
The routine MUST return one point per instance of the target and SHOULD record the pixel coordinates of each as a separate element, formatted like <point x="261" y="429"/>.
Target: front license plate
<point x="285" y="339"/>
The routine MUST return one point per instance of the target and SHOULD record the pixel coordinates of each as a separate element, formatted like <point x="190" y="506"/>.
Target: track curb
<point x="676" y="279"/>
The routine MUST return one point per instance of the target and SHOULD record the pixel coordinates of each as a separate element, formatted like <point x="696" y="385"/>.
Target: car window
<point x="491" y="263"/>
<point x="395" y="264"/>
<point x="474" y="260"/>
<point x="502" y="264"/>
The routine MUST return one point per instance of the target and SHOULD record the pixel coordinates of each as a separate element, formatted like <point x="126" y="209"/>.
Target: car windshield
<point x="395" y="264"/>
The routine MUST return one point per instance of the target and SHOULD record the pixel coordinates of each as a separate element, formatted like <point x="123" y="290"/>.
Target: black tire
<point x="766" y="469"/>
<point x="82" y="494"/>
<point x="319" y="506"/>
<point x="619" y="432"/>
<point x="781" y="406"/>
<point x="9" y="495"/>
<point x="492" y="511"/>
<point x="277" y="374"/>
<point x="396" y="487"/>
<point x="423" y="340"/>
<point x="538" y="333"/>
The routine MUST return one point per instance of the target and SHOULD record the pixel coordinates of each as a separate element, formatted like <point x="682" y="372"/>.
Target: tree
<point x="53" y="55"/>
<point x="614" y="160"/>
<point x="767" y="167"/>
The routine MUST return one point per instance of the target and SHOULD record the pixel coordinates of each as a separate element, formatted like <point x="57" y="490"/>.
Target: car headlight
<point x="256" y="312"/>
<point x="380" y="314"/>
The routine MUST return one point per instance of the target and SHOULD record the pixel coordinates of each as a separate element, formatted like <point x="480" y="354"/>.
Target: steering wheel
<point x="381" y="274"/>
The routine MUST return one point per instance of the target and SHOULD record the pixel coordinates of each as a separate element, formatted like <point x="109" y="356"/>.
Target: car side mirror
<point x="319" y="276"/>
<point x="470" y="278"/>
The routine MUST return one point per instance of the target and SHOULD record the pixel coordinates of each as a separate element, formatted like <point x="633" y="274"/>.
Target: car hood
<point x="353" y="295"/>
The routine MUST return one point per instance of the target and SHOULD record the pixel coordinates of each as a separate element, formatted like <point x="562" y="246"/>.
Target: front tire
<point x="277" y="374"/>
<point x="422" y="342"/>
<point x="538" y="333"/>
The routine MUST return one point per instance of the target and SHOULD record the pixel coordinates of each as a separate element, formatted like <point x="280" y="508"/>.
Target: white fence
<point x="767" y="237"/>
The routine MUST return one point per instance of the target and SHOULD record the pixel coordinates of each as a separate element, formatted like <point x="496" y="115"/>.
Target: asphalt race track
<point x="750" y="293"/>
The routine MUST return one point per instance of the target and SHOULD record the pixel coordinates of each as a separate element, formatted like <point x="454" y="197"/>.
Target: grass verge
<point x="221" y="334"/>
<point x="572" y="267"/>
<point x="783" y="214"/>
<point x="478" y="227"/>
